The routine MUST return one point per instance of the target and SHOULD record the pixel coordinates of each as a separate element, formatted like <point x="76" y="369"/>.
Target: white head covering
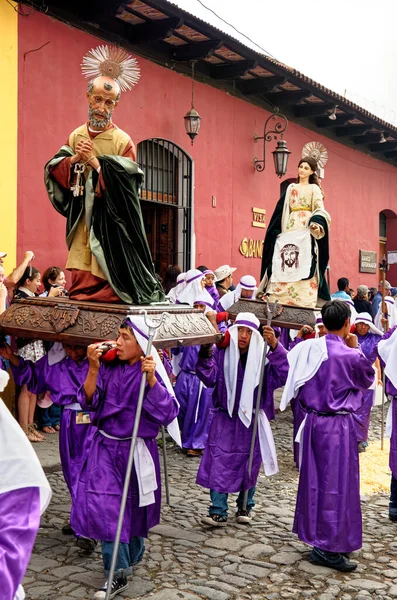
<point x="353" y="311"/>
<point x="193" y="289"/>
<point x="203" y="299"/>
<point x="388" y="352"/>
<point x="367" y="320"/>
<point x="178" y="288"/>
<point x="19" y="465"/>
<point x="247" y="282"/>
<point x="141" y="333"/>
<point x="391" y="311"/>
<point x="252" y="369"/>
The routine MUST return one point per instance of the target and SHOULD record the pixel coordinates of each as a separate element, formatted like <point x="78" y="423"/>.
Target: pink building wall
<point x="52" y="103"/>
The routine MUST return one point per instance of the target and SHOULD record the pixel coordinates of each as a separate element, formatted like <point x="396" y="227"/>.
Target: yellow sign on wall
<point x="251" y="248"/>
<point x="259" y="217"/>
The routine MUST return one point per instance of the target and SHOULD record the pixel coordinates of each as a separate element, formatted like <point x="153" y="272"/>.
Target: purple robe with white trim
<point x="224" y="466"/>
<point x="368" y="344"/>
<point x="100" y="487"/>
<point x="392" y="391"/>
<point x="19" y="522"/>
<point x="195" y="405"/>
<point x="328" y="512"/>
<point x="62" y="379"/>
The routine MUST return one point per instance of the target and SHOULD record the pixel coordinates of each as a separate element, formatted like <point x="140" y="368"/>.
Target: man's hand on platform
<point x="351" y="340"/>
<point x="149" y="367"/>
<point x="93" y="355"/>
<point x="305" y="330"/>
<point x="270" y="337"/>
<point x="7" y="354"/>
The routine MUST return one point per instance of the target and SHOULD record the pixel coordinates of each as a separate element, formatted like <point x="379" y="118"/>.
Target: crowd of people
<point x="205" y="396"/>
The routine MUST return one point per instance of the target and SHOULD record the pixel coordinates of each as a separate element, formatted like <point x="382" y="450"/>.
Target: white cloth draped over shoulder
<point x="304" y="361"/>
<point x="194" y="289"/>
<point x="250" y="382"/>
<point x="247" y="282"/>
<point x="391" y="311"/>
<point x="19" y="465"/>
<point x="388" y="352"/>
<point x="141" y="332"/>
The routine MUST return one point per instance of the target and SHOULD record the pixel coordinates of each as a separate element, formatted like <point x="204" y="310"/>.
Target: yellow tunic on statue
<point x="301" y="202"/>
<point x="113" y="141"/>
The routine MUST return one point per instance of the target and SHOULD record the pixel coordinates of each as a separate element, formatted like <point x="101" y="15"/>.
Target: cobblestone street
<point x="185" y="561"/>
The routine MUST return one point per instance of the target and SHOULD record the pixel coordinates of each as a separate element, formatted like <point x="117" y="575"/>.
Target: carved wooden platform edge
<point x="83" y="323"/>
<point x="292" y="317"/>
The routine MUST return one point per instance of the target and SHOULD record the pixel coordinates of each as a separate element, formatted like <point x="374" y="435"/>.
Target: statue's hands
<point x="315" y="229"/>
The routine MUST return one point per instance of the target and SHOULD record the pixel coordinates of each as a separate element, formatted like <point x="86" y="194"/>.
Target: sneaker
<point x="215" y="521"/>
<point x="118" y="586"/>
<point x="243" y="516"/>
<point x="333" y="560"/>
<point x="393" y="515"/>
<point x="362" y="447"/>
<point x="67" y="529"/>
<point x="86" y="544"/>
<point x="193" y="453"/>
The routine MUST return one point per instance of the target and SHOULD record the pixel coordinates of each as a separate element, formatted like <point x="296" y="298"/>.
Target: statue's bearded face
<point x="290" y="257"/>
<point x="103" y="95"/>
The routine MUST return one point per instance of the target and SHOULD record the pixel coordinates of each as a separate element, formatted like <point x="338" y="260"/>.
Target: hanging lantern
<point x="192" y="118"/>
<point x="280" y="157"/>
<point x="192" y="123"/>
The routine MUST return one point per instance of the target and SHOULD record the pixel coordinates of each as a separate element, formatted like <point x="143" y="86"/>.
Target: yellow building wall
<point x="9" y="133"/>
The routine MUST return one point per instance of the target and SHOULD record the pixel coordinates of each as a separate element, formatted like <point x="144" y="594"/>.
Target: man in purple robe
<point x="387" y="350"/>
<point x="327" y="378"/>
<point x="234" y="374"/>
<point x="62" y="372"/>
<point x="111" y="392"/>
<point x="368" y="337"/>
<point x="195" y="403"/>
<point x="24" y="495"/>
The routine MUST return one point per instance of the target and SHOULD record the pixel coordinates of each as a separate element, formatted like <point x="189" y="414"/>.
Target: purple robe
<point x="368" y="344"/>
<point x="224" y="466"/>
<point x="62" y="380"/>
<point x="195" y="402"/>
<point x="100" y="487"/>
<point x="213" y="292"/>
<point x="392" y="391"/>
<point x="19" y="522"/>
<point x="328" y="512"/>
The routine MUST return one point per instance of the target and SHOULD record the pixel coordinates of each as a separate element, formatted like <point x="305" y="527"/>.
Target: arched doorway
<point x="166" y="202"/>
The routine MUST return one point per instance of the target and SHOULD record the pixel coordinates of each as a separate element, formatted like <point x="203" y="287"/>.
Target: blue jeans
<point x="127" y="556"/>
<point x="219" y="504"/>
<point x="49" y="417"/>
<point x="393" y="497"/>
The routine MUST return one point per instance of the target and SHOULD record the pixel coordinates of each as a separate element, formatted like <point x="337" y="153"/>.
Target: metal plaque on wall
<point x="368" y="262"/>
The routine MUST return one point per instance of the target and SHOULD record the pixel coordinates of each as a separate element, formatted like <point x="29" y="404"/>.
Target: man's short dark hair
<point x="343" y="283"/>
<point x="334" y="314"/>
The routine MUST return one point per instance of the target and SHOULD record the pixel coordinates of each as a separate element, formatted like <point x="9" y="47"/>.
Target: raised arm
<point x="90" y="384"/>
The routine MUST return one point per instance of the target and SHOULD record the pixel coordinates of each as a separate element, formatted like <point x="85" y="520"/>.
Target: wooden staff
<point x="383" y="268"/>
<point x="271" y="312"/>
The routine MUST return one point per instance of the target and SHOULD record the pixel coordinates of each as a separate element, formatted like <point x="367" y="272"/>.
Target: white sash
<point x="389" y="420"/>
<point x="144" y="469"/>
<point x="292" y="257"/>
<point x="267" y="446"/>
